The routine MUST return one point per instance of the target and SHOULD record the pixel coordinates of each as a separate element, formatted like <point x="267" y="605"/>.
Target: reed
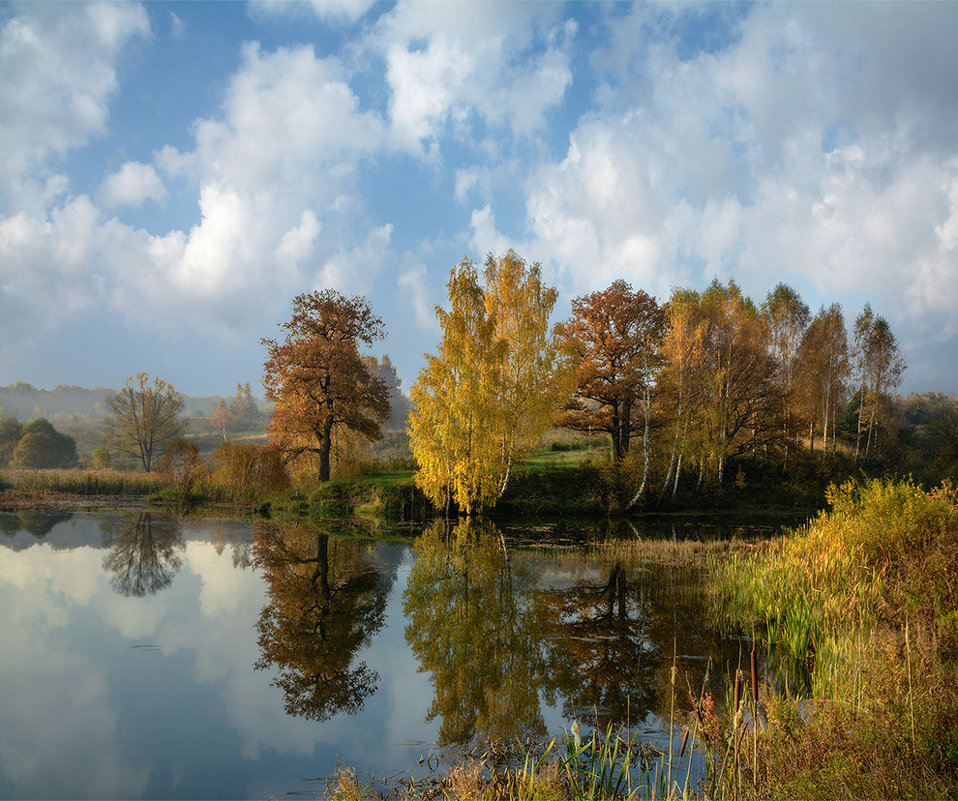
<point x="85" y="482"/>
<point x="858" y="603"/>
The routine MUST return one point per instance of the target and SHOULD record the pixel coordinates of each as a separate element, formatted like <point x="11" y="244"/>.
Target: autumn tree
<point x="527" y="392"/>
<point x="487" y="396"/>
<point x="878" y="365"/>
<point x="475" y="629"/>
<point x="317" y="380"/>
<point x="325" y="602"/>
<point x="786" y="318"/>
<point x="144" y="418"/>
<point x="825" y="370"/>
<point x="615" y="337"/>
<point x="683" y="375"/>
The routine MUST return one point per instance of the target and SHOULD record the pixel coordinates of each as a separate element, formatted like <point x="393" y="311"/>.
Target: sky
<point x="173" y="175"/>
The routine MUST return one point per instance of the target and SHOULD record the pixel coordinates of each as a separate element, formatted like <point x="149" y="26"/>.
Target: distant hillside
<point x="25" y="402"/>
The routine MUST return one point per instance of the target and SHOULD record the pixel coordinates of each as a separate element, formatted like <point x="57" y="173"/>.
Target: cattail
<point x="753" y="664"/>
<point x="695" y="706"/>
<point x="738" y="688"/>
<point x="685" y="739"/>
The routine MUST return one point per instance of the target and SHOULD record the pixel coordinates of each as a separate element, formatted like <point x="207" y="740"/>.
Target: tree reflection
<point x="613" y="634"/>
<point x="144" y="552"/>
<point x="471" y="624"/>
<point x="41" y="522"/>
<point x="325" y="602"/>
<point x="601" y="657"/>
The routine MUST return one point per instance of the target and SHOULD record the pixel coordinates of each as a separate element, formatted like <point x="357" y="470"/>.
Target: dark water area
<point x="148" y="656"/>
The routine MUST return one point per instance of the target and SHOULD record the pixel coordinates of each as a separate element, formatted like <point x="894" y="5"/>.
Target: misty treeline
<point x="65" y="403"/>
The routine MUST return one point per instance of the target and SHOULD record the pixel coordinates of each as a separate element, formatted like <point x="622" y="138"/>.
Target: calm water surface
<point x="147" y="656"/>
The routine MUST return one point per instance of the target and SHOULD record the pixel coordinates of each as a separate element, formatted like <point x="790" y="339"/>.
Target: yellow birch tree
<point x="489" y="393"/>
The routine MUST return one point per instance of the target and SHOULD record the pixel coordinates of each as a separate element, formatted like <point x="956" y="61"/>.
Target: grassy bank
<point x="860" y="615"/>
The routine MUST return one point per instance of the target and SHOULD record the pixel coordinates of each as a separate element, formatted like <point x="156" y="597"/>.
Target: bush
<point x="247" y="472"/>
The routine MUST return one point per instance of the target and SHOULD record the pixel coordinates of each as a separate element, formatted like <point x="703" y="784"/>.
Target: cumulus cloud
<point x="60" y="67"/>
<point x="505" y="65"/>
<point x="800" y="149"/>
<point x="272" y="171"/>
<point x="131" y="185"/>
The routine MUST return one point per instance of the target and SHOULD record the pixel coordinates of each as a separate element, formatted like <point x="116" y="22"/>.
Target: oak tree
<point x="325" y="603"/>
<point x="317" y="379"/>
<point x="615" y="337"/>
<point x="144" y="418"/>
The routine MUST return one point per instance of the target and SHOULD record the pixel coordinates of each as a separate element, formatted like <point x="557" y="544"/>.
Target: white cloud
<point x="508" y="64"/>
<point x="415" y="291"/>
<point x="276" y="168"/>
<point x="328" y="10"/>
<point x="131" y="185"/>
<point x="807" y="149"/>
<point x="59" y="63"/>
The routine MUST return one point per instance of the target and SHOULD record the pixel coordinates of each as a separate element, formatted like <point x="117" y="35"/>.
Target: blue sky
<point x="172" y="175"/>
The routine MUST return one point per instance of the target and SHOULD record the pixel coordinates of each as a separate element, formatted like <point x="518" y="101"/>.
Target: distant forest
<point x="69" y="403"/>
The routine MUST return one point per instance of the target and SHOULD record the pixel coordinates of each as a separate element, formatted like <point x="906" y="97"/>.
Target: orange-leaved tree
<point x="615" y="337"/>
<point x="317" y="379"/>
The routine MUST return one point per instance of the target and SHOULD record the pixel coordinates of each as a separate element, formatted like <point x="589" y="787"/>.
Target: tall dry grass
<point x="863" y="601"/>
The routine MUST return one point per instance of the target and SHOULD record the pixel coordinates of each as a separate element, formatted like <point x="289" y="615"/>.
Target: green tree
<point x="41" y="445"/>
<point x="10" y="433"/>
<point x="144" y="418"/>
<point x="317" y="379"/>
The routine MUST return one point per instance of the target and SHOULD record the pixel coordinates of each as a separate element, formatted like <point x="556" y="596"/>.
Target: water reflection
<point x="326" y="601"/>
<point x="146" y="552"/>
<point x="503" y="633"/>
<point x="37" y="523"/>
<point x="474" y="626"/>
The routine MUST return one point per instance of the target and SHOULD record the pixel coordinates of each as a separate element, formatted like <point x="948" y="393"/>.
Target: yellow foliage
<point x="489" y="393"/>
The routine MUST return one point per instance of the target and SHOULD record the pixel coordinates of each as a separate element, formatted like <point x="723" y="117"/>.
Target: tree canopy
<point x="317" y="378"/>
<point x="144" y="418"/>
<point x="488" y="395"/>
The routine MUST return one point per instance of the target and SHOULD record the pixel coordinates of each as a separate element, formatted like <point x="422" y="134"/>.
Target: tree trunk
<point x="325" y="446"/>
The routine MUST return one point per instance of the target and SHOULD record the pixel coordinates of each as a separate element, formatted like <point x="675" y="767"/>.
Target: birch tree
<point x="826" y="368"/>
<point x="786" y="318"/>
<point x="879" y="367"/>
<point x="488" y="395"/>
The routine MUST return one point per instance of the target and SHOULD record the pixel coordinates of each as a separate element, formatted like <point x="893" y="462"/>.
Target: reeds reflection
<point x="145" y="552"/>
<point x="325" y="602"/>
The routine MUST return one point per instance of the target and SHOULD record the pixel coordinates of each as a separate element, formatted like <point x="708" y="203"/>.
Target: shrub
<point x="246" y="471"/>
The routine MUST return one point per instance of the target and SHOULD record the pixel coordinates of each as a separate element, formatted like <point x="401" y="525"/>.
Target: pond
<point x="148" y="656"/>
